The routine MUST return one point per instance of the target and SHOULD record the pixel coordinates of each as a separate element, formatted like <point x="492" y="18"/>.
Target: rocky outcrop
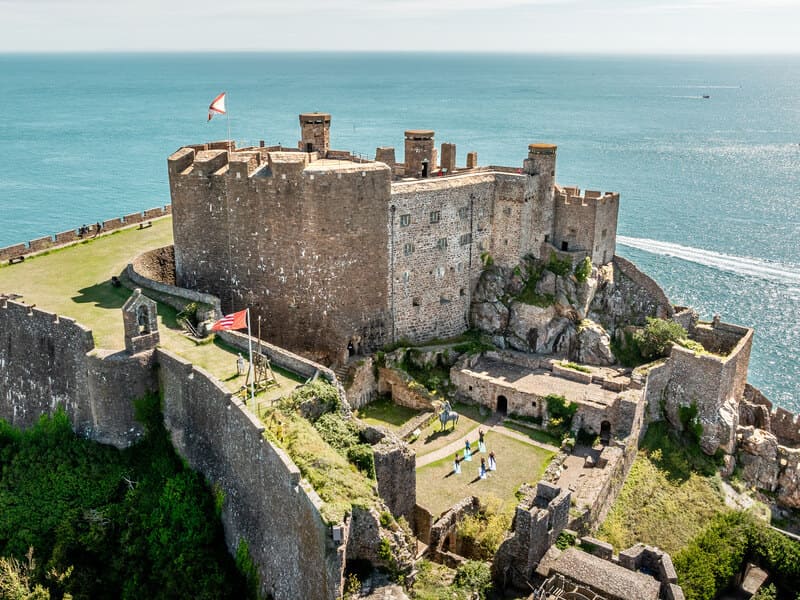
<point x="593" y="345"/>
<point x="532" y="309"/>
<point x="769" y="466"/>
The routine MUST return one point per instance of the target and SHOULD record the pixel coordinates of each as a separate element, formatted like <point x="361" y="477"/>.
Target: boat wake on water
<point x="751" y="267"/>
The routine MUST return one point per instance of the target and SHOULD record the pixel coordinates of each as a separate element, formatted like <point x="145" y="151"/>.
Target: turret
<point x="420" y="153"/>
<point x="541" y="161"/>
<point x="315" y="132"/>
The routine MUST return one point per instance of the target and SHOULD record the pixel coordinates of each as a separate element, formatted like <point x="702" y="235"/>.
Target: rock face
<point x="593" y="345"/>
<point x="770" y="466"/>
<point x="532" y="309"/>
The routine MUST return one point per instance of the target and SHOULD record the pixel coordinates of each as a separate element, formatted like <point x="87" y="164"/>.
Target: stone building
<point x="341" y="255"/>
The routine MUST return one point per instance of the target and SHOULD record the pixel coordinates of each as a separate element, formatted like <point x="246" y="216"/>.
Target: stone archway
<point x="502" y="405"/>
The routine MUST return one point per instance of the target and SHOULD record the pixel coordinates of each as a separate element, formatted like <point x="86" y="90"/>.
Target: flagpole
<point x="228" y="120"/>
<point x="252" y="366"/>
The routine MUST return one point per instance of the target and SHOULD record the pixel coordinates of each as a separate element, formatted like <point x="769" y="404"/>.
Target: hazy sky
<point x="597" y="26"/>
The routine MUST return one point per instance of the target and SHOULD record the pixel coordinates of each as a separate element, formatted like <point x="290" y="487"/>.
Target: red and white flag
<point x="237" y="320"/>
<point x="217" y="106"/>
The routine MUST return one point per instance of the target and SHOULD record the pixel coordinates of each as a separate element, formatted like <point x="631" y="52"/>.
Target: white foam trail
<point x="752" y="267"/>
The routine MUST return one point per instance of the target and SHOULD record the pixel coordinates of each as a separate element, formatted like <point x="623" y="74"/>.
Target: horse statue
<point x="448" y="415"/>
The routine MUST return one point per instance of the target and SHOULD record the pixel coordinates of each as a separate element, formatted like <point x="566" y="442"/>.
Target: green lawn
<point x="385" y="413"/>
<point x="76" y="282"/>
<point x="433" y="438"/>
<point x="517" y="462"/>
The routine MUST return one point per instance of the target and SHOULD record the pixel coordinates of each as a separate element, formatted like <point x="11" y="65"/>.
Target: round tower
<point x="541" y="161"/>
<point x="315" y="132"/>
<point x="420" y="153"/>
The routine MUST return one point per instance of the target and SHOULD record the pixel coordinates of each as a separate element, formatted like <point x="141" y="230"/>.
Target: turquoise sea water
<point x="710" y="188"/>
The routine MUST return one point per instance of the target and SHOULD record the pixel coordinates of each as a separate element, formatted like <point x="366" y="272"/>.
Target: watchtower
<point x="541" y="161"/>
<point x="420" y="153"/>
<point x="315" y="132"/>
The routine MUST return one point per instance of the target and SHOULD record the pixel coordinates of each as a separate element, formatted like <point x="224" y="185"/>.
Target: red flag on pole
<point x="217" y="106"/>
<point x="237" y="320"/>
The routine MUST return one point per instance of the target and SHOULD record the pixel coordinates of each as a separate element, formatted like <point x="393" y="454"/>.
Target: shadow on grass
<point x="102" y="295"/>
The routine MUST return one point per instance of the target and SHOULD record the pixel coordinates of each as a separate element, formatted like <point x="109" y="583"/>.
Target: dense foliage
<point x="583" y="269"/>
<point x="652" y="342"/>
<point x="438" y="582"/>
<point x="113" y="524"/>
<point x="712" y="559"/>
<point x="560" y="412"/>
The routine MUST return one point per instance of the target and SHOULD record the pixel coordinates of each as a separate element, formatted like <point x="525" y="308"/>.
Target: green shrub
<point x="484" y="531"/>
<point x="565" y="540"/>
<point x="561" y="412"/>
<point x="362" y="457"/>
<point x="475" y="576"/>
<point x="690" y="423"/>
<point x="528" y="293"/>
<point x="656" y="339"/>
<point x="560" y="267"/>
<point x="583" y="269"/>
<point x="486" y="259"/>
<point x="317" y="397"/>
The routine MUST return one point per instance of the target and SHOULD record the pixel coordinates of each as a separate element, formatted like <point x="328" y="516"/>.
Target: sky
<point x="541" y="26"/>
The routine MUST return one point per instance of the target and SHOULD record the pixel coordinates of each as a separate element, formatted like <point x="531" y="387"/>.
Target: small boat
<point x="706" y="96"/>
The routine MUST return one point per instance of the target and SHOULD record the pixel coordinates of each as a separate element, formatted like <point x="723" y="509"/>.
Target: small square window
<point x="463" y="212"/>
<point x="470" y="388"/>
<point x="462" y="292"/>
<point x="507" y="211"/>
<point x="435" y="216"/>
<point x="408" y="248"/>
<point x="441" y="244"/>
<point x="405" y="220"/>
<point x="406" y="276"/>
<point x="415" y="302"/>
<point x="466" y="238"/>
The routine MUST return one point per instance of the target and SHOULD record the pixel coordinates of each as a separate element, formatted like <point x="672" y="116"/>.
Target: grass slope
<point x="669" y="495"/>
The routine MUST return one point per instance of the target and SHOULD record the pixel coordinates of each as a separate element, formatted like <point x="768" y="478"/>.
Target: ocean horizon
<point x="709" y="187"/>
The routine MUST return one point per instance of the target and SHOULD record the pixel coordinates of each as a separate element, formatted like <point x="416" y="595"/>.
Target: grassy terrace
<point x="75" y="282"/>
<point x="517" y="462"/>
<point x="669" y="496"/>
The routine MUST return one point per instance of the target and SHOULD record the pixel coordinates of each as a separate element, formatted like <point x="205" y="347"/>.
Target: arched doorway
<point x="502" y="405"/>
<point x="605" y="432"/>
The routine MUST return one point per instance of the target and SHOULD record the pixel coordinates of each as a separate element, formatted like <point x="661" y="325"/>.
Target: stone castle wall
<point x="266" y="505"/>
<point x="439" y="228"/>
<point x="49" y="362"/>
<point x="586" y="222"/>
<point x="303" y="244"/>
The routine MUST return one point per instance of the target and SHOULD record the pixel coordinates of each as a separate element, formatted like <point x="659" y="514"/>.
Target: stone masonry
<point x="341" y="255"/>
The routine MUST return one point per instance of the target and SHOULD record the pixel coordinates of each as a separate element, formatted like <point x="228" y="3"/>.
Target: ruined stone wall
<point x="49" y="362"/>
<point x="395" y="471"/>
<point x="757" y="410"/>
<point x="303" y="244"/>
<point x="438" y="230"/>
<point x="362" y="386"/>
<point x="605" y="228"/>
<point x="265" y="503"/>
<point x="403" y="389"/>
<point x="715" y="384"/>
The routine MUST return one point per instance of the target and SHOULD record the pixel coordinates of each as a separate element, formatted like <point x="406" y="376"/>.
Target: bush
<point x="362" y="457"/>
<point x="343" y="436"/>
<point x="124" y="524"/>
<point x="560" y="411"/>
<point x="656" y="339"/>
<point x="583" y="269"/>
<point x="485" y="531"/>
<point x="558" y="266"/>
<point x="313" y="399"/>
<point x="476" y="577"/>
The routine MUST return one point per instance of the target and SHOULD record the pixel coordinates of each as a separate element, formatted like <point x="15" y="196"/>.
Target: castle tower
<point x="315" y="132"/>
<point x="420" y="153"/>
<point x="541" y="161"/>
<point x="540" y="166"/>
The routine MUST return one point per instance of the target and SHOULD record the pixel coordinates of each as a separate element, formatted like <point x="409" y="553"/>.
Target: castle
<point x="341" y="255"/>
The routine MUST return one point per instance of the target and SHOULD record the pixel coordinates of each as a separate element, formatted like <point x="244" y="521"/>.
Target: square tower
<point x="315" y="132"/>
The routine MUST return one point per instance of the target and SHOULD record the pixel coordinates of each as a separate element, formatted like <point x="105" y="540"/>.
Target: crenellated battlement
<point x="573" y="196"/>
<point x="406" y="235"/>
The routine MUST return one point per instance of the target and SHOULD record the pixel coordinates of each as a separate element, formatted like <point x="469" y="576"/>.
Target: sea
<point x="704" y="151"/>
